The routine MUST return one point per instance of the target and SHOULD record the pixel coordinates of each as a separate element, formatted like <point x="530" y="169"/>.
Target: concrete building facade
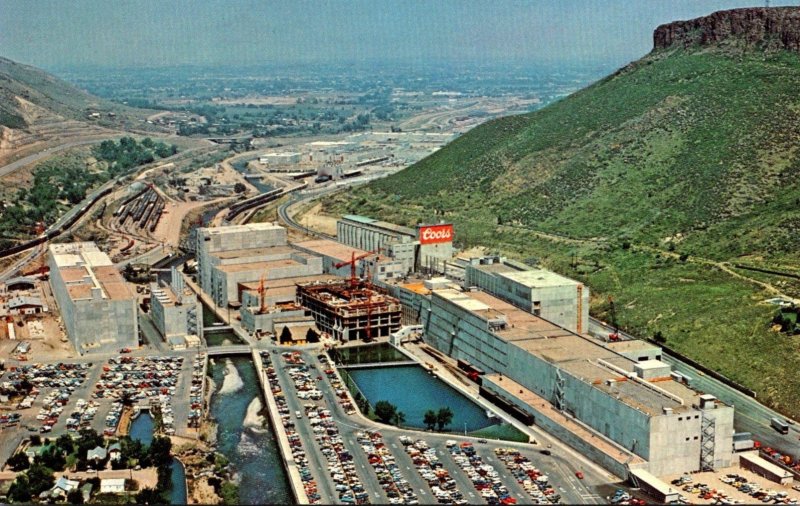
<point x="543" y="293"/>
<point x="97" y="305"/>
<point x="176" y="310"/>
<point x="231" y="256"/>
<point x="425" y="247"/>
<point x="673" y="428"/>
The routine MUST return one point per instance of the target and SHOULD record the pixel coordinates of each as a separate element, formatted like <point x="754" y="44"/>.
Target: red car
<point x="579" y="475"/>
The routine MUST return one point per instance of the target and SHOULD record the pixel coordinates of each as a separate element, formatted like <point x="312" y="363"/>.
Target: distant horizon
<point x="133" y="34"/>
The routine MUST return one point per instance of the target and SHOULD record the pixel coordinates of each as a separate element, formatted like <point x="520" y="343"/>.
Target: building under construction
<point x="350" y="309"/>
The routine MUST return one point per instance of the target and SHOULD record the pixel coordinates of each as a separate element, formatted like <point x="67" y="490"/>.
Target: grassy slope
<point x="697" y="143"/>
<point x="49" y="93"/>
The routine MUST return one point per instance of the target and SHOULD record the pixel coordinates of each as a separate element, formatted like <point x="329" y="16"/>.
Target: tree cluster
<point x="438" y="419"/>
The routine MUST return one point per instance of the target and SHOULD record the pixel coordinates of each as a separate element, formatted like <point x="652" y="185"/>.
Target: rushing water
<point x="244" y="436"/>
<point x="414" y="391"/>
<point x="142" y="429"/>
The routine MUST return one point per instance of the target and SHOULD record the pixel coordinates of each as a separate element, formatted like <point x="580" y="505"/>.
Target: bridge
<point x="217" y="328"/>
<point x="372" y="365"/>
<point x="223" y="351"/>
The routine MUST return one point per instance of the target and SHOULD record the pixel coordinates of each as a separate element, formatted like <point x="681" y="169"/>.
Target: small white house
<point x="112" y="486"/>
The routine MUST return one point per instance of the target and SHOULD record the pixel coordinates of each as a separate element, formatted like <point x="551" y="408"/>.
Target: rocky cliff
<point x="769" y="28"/>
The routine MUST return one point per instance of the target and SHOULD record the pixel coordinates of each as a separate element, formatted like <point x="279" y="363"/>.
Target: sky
<point x="154" y="33"/>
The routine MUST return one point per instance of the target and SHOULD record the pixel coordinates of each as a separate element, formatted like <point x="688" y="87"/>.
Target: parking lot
<point x="65" y="396"/>
<point x="732" y="486"/>
<point x="396" y="466"/>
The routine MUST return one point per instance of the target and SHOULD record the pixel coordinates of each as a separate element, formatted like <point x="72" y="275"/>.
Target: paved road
<point x="749" y="415"/>
<point x="11" y="167"/>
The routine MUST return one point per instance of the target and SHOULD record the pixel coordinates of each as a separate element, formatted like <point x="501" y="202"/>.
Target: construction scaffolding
<point x="348" y="311"/>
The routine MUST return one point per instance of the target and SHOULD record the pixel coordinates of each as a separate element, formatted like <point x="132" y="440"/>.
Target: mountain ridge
<point x="775" y="28"/>
<point x="37" y="107"/>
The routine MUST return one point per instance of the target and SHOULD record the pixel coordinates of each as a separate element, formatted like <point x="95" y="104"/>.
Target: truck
<point x="743" y="441"/>
<point x="779" y="425"/>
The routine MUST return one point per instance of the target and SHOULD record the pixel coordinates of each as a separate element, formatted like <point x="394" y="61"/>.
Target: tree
<point x="159" y="451"/>
<point x="239" y="187"/>
<point x="312" y="336"/>
<point x="20" y="490"/>
<point x="36" y="440"/>
<point x="75" y="497"/>
<point x="385" y="411"/>
<point x="65" y="443"/>
<point x="51" y="458"/>
<point x="286" y="336"/>
<point x="40" y="478"/>
<point x="430" y="419"/>
<point x="444" y="417"/>
<point x="18" y="462"/>
<point x="399" y="418"/>
<point x="659" y="337"/>
<point x="149" y="496"/>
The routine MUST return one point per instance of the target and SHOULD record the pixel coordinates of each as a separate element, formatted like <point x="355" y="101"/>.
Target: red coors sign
<point x="435" y="234"/>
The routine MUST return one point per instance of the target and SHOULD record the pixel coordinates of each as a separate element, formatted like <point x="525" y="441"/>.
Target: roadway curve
<point x="11" y="167"/>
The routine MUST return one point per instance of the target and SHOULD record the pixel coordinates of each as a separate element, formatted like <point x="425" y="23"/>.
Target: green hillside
<point x="649" y="186"/>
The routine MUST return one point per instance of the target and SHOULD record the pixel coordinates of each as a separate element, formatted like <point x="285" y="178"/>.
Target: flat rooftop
<point x="83" y="267"/>
<point x="260" y="266"/>
<point x="630" y="346"/>
<point x="253" y="252"/>
<point x="385" y="225"/>
<point x="333" y="249"/>
<point x="78" y="254"/>
<point x="238" y="229"/>
<point x="538" y="278"/>
<point x="168" y="296"/>
<point x="579" y="356"/>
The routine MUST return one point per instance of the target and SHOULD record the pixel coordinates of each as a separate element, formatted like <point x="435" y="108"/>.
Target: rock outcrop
<point x="768" y="28"/>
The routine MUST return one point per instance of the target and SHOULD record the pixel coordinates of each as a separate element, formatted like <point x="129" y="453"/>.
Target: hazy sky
<point x="55" y="33"/>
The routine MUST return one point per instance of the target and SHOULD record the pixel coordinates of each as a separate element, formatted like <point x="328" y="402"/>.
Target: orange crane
<point x="262" y="299"/>
<point x="352" y="264"/>
<point x="368" y="330"/>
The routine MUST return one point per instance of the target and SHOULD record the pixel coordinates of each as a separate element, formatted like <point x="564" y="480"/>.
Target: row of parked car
<point x="341" y="468"/>
<point x="53" y="405"/>
<point x="136" y="379"/>
<point x="396" y="487"/>
<point x="112" y="418"/>
<point x="741" y="484"/>
<point x="295" y="444"/>
<point x="65" y="377"/>
<point x="431" y="469"/>
<point x="196" y="391"/>
<point x="529" y="476"/>
<point x="341" y="392"/>
<point x="483" y="476"/>
<point x="82" y="416"/>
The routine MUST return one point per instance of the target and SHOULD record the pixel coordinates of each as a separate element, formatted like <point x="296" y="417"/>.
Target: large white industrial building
<point x="544" y="293"/>
<point x="535" y="368"/>
<point x="424" y="248"/>
<point x="176" y="311"/>
<point x="97" y="305"/>
<point x="228" y="257"/>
